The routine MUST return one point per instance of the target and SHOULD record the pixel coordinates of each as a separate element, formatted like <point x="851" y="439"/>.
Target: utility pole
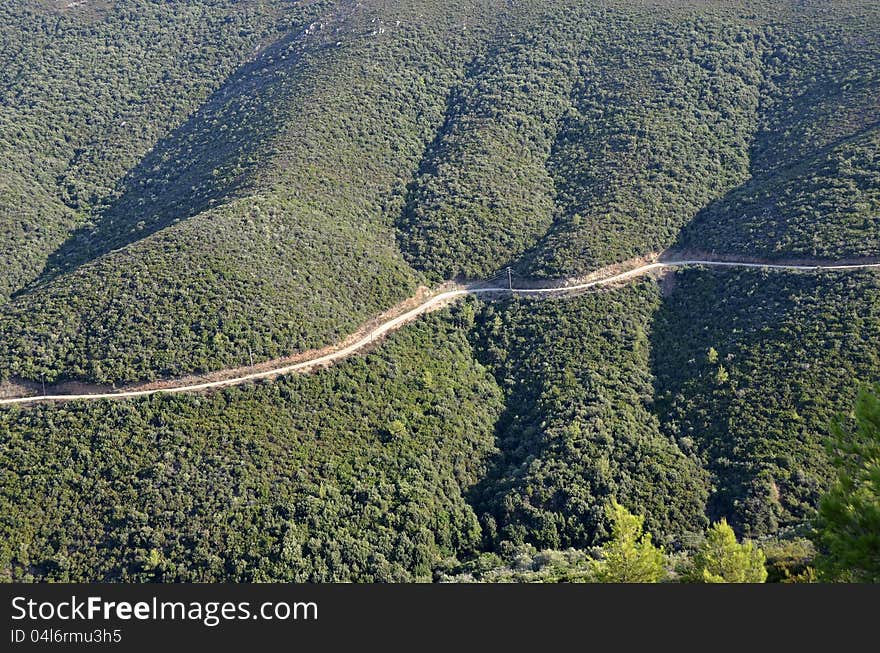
<point x="509" y="279"/>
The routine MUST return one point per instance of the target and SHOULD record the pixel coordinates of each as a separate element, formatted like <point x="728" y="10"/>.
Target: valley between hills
<point x="450" y="214"/>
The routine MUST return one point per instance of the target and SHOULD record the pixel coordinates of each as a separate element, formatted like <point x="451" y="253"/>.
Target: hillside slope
<point x="751" y="369"/>
<point x="262" y="226"/>
<point x="196" y="185"/>
<point x="480" y="429"/>
<point x="814" y="178"/>
<point x="86" y="92"/>
<point x="379" y="145"/>
<point x="355" y="475"/>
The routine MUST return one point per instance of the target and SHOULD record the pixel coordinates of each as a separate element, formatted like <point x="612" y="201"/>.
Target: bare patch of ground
<point x="19" y="388"/>
<point x="668" y="281"/>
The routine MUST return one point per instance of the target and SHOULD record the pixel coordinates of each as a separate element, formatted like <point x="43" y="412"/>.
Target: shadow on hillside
<point x="676" y="362"/>
<point x="198" y="165"/>
<point x="746" y="218"/>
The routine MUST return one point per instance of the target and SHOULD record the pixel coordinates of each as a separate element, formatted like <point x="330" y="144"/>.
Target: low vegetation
<point x="848" y="524"/>
<point x="187" y="186"/>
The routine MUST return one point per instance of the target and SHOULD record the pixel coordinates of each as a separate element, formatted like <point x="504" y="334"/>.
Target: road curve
<point x="432" y="303"/>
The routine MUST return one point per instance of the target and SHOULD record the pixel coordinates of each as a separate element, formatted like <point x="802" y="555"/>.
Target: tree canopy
<point x="849" y="514"/>
<point x="629" y="556"/>
<point x="721" y="559"/>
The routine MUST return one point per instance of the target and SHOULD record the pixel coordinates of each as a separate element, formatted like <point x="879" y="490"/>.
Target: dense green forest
<point x="191" y="185"/>
<point x="751" y="369"/>
<point x="660" y="124"/>
<point x="296" y="246"/>
<point x="814" y="186"/>
<point x="484" y="442"/>
<point x="359" y="473"/>
<point x="578" y="429"/>
<point x="484" y="193"/>
<point x="339" y="153"/>
<point x="87" y="91"/>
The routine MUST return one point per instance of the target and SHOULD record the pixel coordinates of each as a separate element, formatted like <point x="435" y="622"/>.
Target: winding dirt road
<point x="430" y="304"/>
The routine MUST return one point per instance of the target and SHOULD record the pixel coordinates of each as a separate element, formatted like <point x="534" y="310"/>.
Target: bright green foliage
<point x="629" y="557"/>
<point x="849" y="515"/>
<point x="721" y="559"/>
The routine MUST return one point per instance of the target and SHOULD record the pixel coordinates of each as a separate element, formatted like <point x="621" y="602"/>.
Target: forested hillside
<point x="660" y="124"/>
<point x="354" y="475"/>
<point x="338" y="152"/>
<point x="578" y="428"/>
<point x="814" y="187"/>
<point x="487" y="428"/>
<point x="265" y="221"/>
<point x="191" y="186"/>
<point x="484" y="193"/>
<point x="87" y="90"/>
<point x="751" y="369"/>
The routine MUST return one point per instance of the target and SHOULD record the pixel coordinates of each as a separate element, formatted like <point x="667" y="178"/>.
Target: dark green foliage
<point x="789" y="347"/>
<point x="134" y="314"/>
<point x="287" y="189"/>
<point x="826" y="207"/>
<point x="210" y="158"/>
<point x="88" y="90"/>
<point x="379" y="469"/>
<point x="188" y="184"/>
<point x="578" y="430"/>
<point x="815" y="164"/>
<point x="303" y="479"/>
<point x="484" y="193"/>
<point x="848" y="524"/>
<point x="790" y="560"/>
<point x="660" y="125"/>
<point x="297" y="252"/>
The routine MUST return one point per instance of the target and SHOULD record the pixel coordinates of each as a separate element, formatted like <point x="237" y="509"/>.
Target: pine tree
<point x="712" y="355"/>
<point x="848" y="524"/>
<point x="721" y="559"/>
<point x="629" y="557"/>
